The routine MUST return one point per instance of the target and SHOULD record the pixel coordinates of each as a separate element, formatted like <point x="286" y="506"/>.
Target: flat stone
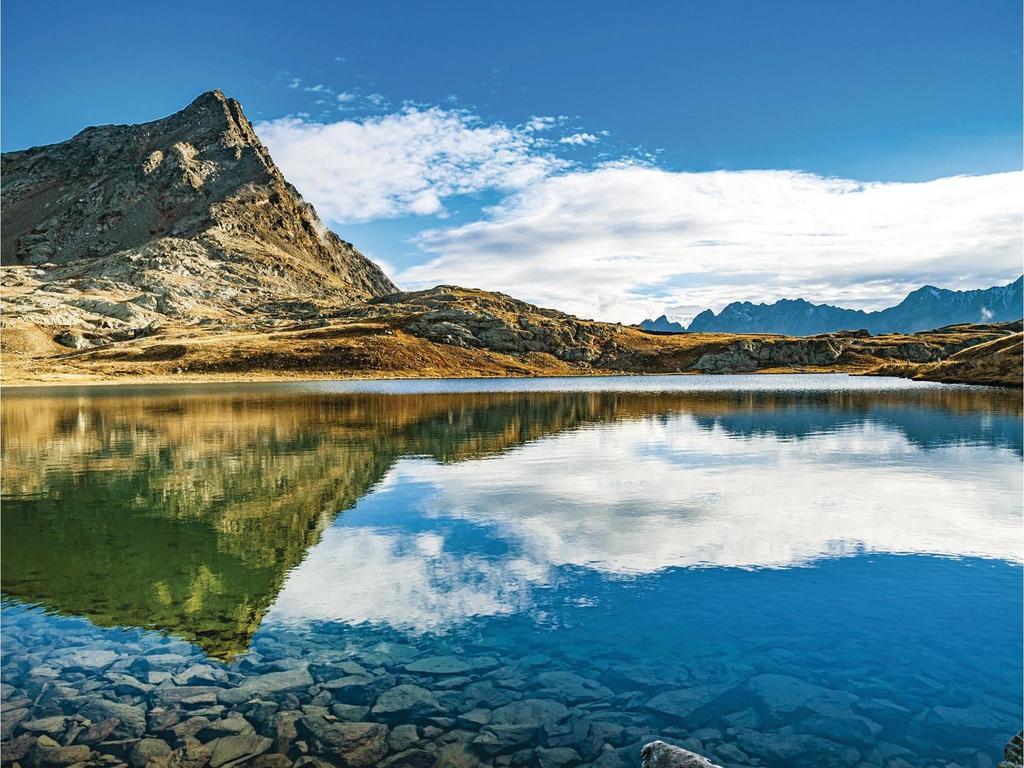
<point x="49" y="755"/>
<point x="349" y="712"/>
<point x="572" y="687"/>
<point x="474" y="718"/>
<point x="98" y="732"/>
<point x="797" y="750"/>
<point x="658" y="754"/>
<point x="689" y="705"/>
<point x="131" y="721"/>
<point x="557" y="757"/>
<point x="359" y="744"/>
<point x="277" y="682"/>
<point x="149" y="749"/>
<point x="232" y="725"/>
<point x="848" y="729"/>
<point x="402" y="737"/>
<point x="406" y="701"/>
<point x="89" y="660"/>
<point x="272" y="760"/>
<point x="456" y="755"/>
<point x="229" y="749"/>
<point x="16" y="748"/>
<point x="51" y="726"/>
<point x="450" y="665"/>
<point x="781" y="697"/>
<point x="410" y="758"/>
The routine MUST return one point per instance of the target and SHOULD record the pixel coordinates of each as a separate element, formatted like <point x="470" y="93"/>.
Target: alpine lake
<point x="788" y="571"/>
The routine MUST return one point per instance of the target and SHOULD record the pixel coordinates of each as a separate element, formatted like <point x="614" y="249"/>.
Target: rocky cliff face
<point x="177" y="215"/>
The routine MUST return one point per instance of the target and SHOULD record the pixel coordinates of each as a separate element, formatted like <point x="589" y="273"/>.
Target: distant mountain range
<point x="924" y="309"/>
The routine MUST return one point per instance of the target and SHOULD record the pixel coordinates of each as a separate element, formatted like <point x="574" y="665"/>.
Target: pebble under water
<point x="770" y="571"/>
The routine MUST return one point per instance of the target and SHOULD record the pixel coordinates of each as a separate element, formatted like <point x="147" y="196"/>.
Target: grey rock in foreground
<point x="1013" y="753"/>
<point x="658" y="754"/>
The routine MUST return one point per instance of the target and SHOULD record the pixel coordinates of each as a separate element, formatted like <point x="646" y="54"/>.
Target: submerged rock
<point x="405" y="702"/>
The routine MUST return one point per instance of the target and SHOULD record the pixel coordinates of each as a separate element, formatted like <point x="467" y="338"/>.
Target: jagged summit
<point x="189" y="208"/>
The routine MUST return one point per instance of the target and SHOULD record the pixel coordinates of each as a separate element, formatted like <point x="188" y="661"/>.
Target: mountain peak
<point x="196" y="186"/>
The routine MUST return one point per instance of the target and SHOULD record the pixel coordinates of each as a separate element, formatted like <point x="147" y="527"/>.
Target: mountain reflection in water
<point x="205" y="512"/>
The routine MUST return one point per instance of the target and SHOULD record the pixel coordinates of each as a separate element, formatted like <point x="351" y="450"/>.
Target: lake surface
<point x="770" y="570"/>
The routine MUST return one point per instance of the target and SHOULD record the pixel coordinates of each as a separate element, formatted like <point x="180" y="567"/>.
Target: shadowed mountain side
<point x="185" y="512"/>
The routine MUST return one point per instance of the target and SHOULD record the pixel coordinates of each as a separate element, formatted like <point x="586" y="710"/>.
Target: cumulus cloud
<point x="625" y="241"/>
<point x="579" y="139"/>
<point x="402" y="163"/>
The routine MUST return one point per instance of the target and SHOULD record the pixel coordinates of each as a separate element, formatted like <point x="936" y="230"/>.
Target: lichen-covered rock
<point x="658" y="754"/>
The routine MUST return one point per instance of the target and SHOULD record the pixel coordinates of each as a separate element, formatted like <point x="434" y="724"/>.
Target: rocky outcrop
<point x="183" y="216"/>
<point x="477" y="319"/>
<point x="658" y="754"/>
<point x="995" y="362"/>
<point x="747" y="355"/>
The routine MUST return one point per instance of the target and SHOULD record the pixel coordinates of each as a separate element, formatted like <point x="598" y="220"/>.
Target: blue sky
<point x="682" y="98"/>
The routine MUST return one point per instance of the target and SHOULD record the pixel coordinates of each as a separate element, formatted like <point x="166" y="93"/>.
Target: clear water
<point x="773" y="571"/>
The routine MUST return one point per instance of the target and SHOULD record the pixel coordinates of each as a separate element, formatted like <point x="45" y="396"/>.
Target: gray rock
<point x="51" y="726"/>
<point x="658" y="754"/>
<point x="557" y="757"/>
<point x="780" y="698"/>
<point x="149" y="749"/>
<point x="572" y="687"/>
<point x="349" y="712"/>
<point x="474" y="718"/>
<point x="233" y="749"/>
<point x="846" y="729"/>
<point x="47" y="752"/>
<point x="276" y="682"/>
<point x="450" y="665"/>
<point x="406" y="702"/>
<point x="131" y="721"/>
<point x="402" y="737"/>
<point x="16" y="748"/>
<point x="797" y="750"/>
<point x="518" y="725"/>
<point x="689" y="705"/>
<point x="88" y="660"/>
<point x="1013" y="752"/>
<point x="410" y="758"/>
<point x="456" y="755"/>
<point x="358" y="744"/>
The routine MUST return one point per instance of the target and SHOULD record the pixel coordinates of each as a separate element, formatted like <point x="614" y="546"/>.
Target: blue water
<point x="775" y="571"/>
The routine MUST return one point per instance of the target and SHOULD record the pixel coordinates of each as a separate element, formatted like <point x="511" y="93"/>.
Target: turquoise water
<point x="774" y="571"/>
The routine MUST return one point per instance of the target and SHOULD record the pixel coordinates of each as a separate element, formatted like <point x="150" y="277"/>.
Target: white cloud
<point x="579" y="139"/>
<point x="641" y="496"/>
<point x="402" y="163"/>
<point x="625" y="241"/>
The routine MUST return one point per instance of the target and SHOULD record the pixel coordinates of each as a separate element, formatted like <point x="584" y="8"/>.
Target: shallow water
<point x="776" y="571"/>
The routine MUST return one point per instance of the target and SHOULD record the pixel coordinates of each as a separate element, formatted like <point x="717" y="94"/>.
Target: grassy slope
<point x="381" y="340"/>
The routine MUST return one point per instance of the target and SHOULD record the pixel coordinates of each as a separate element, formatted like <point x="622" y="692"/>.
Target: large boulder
<point x="658" y="754"/>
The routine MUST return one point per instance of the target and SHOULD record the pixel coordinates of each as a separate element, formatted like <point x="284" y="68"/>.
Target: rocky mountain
<point x="923" y="309"/>
<point x="177" y="249"/>
<point x="187" y="215"/>
<point x="662" y="325"/>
